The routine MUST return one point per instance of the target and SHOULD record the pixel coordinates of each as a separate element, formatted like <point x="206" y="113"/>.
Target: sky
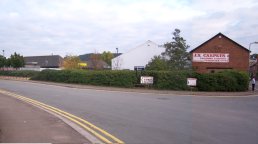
<point x="75" y="27"/>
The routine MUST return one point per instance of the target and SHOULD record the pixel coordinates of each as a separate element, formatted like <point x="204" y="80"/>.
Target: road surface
<point x="140" y="118"/>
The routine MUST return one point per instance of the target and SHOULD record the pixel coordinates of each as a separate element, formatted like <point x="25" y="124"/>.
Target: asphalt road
<point x="152" y="118"/>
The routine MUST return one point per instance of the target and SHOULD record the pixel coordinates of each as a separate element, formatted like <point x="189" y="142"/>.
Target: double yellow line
<point x="94" y="130"/>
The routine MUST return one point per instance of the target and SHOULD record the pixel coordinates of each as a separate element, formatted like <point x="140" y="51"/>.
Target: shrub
<point x="19" y="73"/>
<point x="170" y="80"/>
<point x="223" y="81"/>
<point x="173" y="80"/>
<point x="102" y="78"/>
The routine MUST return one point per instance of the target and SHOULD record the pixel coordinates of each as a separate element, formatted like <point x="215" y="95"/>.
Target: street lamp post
<point x="116" y="50"/>
<point x="250" y="54"/>
<point x="251" y="44"/>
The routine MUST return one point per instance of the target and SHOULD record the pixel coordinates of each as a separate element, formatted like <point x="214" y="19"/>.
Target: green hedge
<point x="19" y="73"/>
<point x="170" y="80"/>
<point x="102" y="78"/>
<point x="223" y="81"/>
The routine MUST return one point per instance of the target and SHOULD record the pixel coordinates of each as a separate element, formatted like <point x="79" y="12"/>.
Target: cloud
<point x="41" y="27"/>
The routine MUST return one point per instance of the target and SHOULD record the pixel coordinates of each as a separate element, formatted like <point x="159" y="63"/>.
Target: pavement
<point x="23" y="123"/>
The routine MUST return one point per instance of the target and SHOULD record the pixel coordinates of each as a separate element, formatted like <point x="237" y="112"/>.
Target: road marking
<point x="79" y="121"/>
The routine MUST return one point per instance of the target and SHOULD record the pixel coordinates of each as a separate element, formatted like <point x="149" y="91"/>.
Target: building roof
<point x="219" y="34"/>
<point x="137" y="56"/>
<point x="86" y="57"/>
<point x="51" y="61"/>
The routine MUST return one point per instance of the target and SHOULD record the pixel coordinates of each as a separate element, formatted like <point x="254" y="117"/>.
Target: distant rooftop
<point x="86" y="57"/>
<point x="49" y="61"/>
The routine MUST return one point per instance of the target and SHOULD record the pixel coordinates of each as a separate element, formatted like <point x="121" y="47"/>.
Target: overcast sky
<point x="44" y="27"/>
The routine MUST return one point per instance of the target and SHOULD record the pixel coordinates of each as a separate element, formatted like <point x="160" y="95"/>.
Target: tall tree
<point x="157" y="63"/>
<point x="16" y="60"/>
<point x="8" y="62"/>
<point x="175" y="56"/>
<point x="176" y="52"/>
<point x="96" y="62"/>
<point x="71" y="62"/>
<point x="2" y="61"/>
<point x="107" y="57"/>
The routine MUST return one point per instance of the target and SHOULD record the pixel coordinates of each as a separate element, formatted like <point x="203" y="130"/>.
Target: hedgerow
<point x="102" y="78"/>
<point x="18" y="73"/>
<point x="169" y="80"/>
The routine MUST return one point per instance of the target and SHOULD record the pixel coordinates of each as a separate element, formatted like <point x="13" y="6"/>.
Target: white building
<point x="137" y="57"/>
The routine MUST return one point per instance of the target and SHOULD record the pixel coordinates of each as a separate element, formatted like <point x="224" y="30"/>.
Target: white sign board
<point x="146" y="80"/>
<point x="191" y="81"/>
<point x="211" y="57"/>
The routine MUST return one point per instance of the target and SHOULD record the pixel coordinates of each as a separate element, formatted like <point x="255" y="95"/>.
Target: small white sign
<point x="191" y="81"/>
<point x="146" y="80"/>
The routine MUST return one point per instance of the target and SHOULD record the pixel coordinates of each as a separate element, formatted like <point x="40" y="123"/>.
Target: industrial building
<point x="220" y="53"/>
<point x="138" y="57"/>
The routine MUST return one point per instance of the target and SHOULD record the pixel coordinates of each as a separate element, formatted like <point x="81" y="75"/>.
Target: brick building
<point x="220" y="53"/>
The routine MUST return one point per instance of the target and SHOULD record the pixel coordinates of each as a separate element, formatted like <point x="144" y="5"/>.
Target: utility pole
<point x="116" y="50"/>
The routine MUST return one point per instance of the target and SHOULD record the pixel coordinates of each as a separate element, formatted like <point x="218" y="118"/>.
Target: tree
<point x="16" y="60"/>
<point x="157" y="63"/>
<point x="8" y="62"/>
<point x="71" y="62"/>
<point x="175" y="56"/>
<point x="175" y="53"/>
<point x="96" y="62"/>
<point x="2" y="61"/>
<point x="107" y="57"/>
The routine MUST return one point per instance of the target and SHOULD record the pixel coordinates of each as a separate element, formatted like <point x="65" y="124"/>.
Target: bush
<point x="19" y="73"/>
<point x="170" y="80"/>
<point x="102" y="78"/>
<point x="223" y="81"/>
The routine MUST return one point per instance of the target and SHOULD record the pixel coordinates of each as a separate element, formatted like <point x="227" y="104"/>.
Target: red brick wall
<point x="238" y="57"/>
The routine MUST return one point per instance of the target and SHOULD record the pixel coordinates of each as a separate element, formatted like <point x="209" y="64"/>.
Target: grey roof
<point x="86" y="57"/>
<point x="51" y="61"/>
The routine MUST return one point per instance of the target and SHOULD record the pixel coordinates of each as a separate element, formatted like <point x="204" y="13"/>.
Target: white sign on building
<point x="211" y="57"/>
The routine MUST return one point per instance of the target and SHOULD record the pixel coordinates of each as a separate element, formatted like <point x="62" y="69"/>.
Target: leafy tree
<point x="175" y="56"/>
<point x="175" y="53"/>
<point x="16" y="60"/>
<point x="157" y="63"/>
<point x="107" y="57"/>
<point x="8" y="62"/>
<point x="96" y="62"/>
<point x="71" y="62"/>
<point x="2" y="61"/>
